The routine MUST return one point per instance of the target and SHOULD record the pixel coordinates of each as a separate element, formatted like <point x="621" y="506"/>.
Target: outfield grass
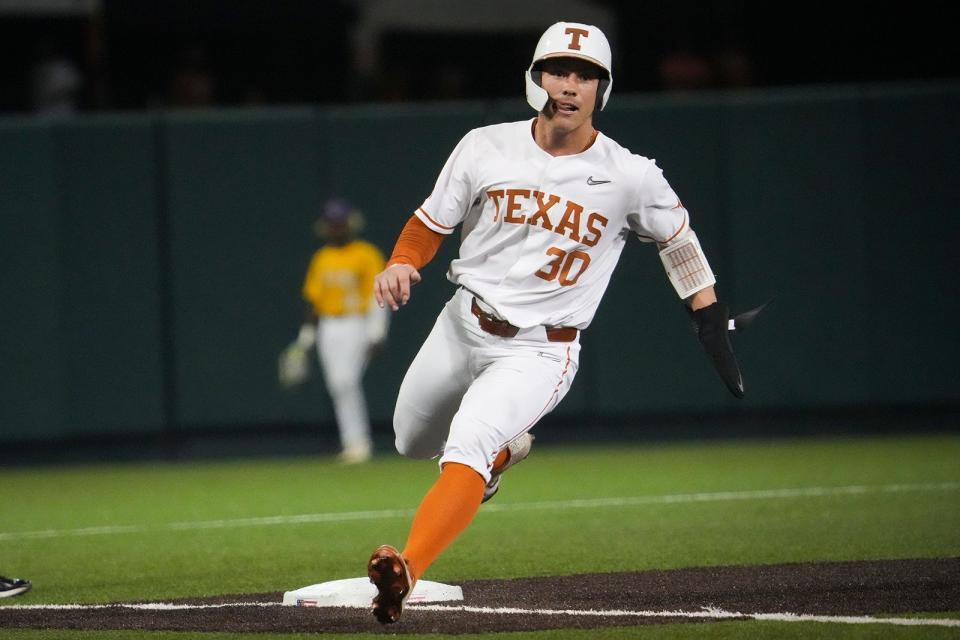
<point x="520" y="536"/>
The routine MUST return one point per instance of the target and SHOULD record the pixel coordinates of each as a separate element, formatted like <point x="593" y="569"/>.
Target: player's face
<point x="338" y="232"/>
<point x="572" y="85"/>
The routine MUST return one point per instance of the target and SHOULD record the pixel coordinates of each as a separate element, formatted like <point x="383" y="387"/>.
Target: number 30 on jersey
<point x="563" y="264"/>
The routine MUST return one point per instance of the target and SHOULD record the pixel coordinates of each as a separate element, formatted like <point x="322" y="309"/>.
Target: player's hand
<point x="293" y="366"/>
<point x="392" y="285"/>
<point x="712" y="326"/>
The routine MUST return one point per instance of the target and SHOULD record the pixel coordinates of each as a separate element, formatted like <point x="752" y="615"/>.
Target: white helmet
<point x="570" y="40"/>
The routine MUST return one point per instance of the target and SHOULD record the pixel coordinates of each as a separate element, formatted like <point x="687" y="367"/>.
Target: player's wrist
<point x="307" y="336"/>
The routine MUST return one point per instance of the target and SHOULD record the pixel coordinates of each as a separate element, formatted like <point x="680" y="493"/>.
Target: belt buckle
<point x="490" y="323"/>
<point x="500" y="327"/>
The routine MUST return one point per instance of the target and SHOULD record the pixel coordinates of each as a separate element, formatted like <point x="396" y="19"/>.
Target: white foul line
<point x="706" y="613"/>
<point x="709" y="613"/>
<point x="586" y="503"/>
<point x="724" y="496"/>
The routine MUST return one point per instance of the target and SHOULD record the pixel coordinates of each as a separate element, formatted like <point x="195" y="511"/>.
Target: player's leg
<point x="432" y="389"/>
<point x="342" y="347"/>
<point x="516" y="388"/>
<point x="457" y="361"/>
<point x="429" y="397"/>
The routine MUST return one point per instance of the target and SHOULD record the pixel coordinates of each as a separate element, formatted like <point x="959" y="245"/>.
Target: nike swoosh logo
<point x="591" y="181"/>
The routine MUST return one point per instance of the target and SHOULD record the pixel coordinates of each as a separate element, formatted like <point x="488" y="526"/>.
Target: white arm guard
<point x="686" y="265"/>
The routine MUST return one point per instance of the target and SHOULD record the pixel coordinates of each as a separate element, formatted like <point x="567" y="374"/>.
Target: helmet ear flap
<point x="536" y="95"/>
<point x="602" y="93"/>
<point x="536" y="74"/>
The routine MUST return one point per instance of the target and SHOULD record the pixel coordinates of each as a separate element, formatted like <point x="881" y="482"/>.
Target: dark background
<point x="296" y="51"/>
<point x="153" y="255"/>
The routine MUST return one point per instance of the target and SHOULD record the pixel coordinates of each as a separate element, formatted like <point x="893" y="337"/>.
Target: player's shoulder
<point x="618" y="159"/>
<point x="317" y="259"/>
<point x="621" y="157"/>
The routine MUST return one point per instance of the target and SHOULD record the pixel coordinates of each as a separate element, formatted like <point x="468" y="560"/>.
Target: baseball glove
<point x="293" y="366"/>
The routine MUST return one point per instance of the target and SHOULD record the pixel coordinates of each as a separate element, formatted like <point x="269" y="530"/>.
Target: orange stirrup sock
<point x="445" y="512"/>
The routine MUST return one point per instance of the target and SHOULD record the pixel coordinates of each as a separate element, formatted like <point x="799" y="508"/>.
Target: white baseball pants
<point x="467" y="392"/>
<point x="343" y="348"/>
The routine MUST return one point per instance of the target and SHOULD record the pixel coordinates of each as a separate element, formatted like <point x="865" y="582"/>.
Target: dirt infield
<point x="841" y="588"/>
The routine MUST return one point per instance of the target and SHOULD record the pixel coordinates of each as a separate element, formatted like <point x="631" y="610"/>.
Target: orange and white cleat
<point x="519" y="449"/>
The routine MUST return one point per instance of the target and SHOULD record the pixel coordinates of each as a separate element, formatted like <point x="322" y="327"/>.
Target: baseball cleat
<point x="10" y="587"/>
<point x="389" y="573"/>
<point x="519" y="449"/>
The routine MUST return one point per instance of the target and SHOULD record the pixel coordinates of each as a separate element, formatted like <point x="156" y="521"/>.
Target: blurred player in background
<point x="343" y="322"/>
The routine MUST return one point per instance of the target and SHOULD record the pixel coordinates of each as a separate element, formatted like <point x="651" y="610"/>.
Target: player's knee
<point x="415" y="447"/>
<point x="412" y="439"/>
<point x="340" y="386"/>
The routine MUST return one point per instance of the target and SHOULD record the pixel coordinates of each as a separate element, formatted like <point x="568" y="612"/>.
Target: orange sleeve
<point x="416" y="245"/>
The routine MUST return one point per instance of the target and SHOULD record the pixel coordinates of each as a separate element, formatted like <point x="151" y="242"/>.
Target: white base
<point x="359" y="592"/>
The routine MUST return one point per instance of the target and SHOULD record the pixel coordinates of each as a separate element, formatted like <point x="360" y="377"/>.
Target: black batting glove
<point x="711" y="324"/>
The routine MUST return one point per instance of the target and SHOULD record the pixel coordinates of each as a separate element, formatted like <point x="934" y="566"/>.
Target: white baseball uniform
<point x="338" y="285"/>
<point x="541" y="236"/>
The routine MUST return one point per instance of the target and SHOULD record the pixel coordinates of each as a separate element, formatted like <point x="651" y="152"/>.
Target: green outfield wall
<point x="152" y="263"/>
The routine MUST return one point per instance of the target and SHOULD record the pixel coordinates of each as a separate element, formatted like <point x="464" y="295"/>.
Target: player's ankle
<point x="501" y="461"/>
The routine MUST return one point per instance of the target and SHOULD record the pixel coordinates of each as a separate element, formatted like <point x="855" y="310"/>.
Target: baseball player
<point x="544" y="207"/>
<point x="342" y="323"/>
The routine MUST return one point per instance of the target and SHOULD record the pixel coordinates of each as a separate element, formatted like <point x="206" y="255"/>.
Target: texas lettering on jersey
<point x="532" y="207"/>
<point x="573" y="226"/>
<point x="526" y="206"/>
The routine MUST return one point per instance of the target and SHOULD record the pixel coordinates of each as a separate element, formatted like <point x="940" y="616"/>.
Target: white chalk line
<point x="586" y="503"/>
<point x="706" y="613"/>
<point x="710" y="613"/>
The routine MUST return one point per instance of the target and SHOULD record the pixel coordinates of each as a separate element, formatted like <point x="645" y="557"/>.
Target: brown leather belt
<point x="504" y="329"/>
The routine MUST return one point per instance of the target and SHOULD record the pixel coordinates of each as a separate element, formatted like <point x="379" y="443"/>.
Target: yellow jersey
<point x="340" y="278"/>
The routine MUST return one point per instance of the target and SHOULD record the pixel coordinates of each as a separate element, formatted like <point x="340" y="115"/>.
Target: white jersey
<point x="541" y="234"/>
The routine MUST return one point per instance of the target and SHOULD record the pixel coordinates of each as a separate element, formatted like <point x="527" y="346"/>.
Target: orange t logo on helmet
<point x="575" y="37"/>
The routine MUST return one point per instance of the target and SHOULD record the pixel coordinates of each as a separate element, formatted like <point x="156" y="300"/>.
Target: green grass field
<point x="126" y="532"/>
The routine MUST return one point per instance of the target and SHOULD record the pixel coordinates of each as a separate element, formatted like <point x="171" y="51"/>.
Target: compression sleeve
<point x="416" y="245"/>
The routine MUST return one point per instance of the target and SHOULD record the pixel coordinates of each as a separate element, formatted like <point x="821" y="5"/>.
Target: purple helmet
<point x="337" y="210"/>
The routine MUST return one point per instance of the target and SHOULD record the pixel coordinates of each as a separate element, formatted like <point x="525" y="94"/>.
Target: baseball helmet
<point x="570" y="40"/>
<point x="338" y="212"/>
